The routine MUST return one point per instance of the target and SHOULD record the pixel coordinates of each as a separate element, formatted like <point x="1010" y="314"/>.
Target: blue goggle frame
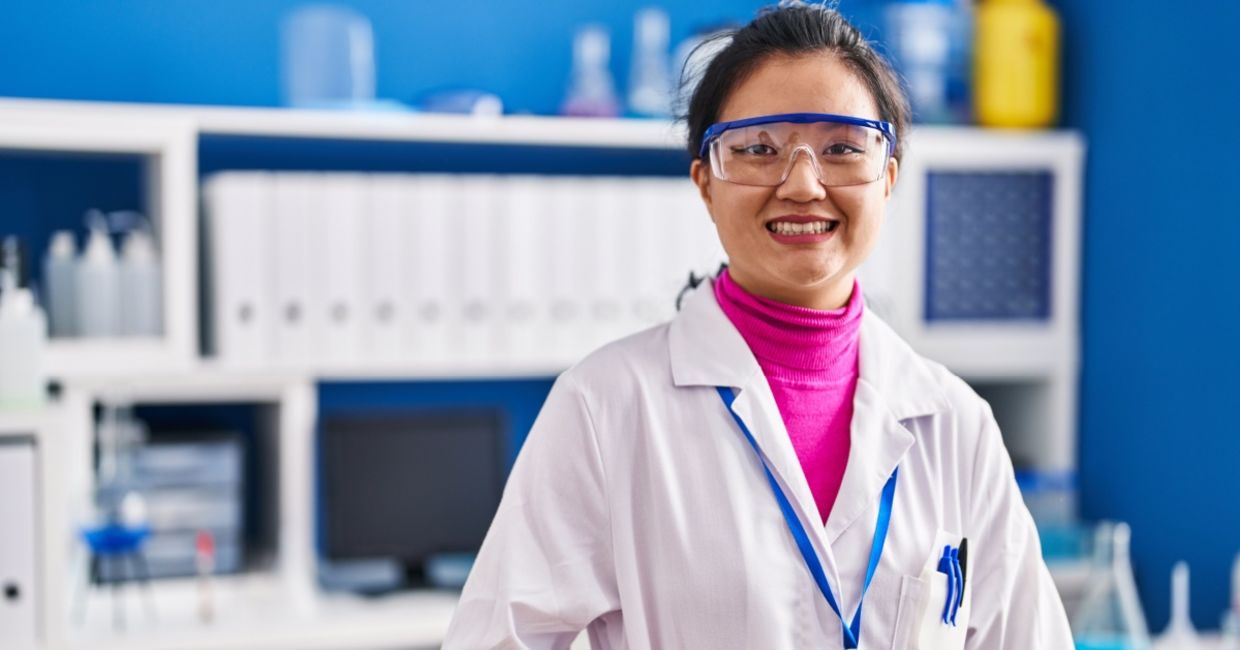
<point x="718" y="128"/>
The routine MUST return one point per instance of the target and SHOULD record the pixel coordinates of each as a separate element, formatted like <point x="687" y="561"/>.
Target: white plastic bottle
<point x="59" y="279"/>
<point x="23" y="335"/>
<point x="98" y="291"/>
<point x="140" y="285"/>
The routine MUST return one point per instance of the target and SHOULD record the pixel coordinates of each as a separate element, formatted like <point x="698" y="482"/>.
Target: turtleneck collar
<point x="795" y="343"/>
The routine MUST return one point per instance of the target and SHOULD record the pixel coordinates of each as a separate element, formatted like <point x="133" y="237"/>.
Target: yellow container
<point x="1016" y="64"/>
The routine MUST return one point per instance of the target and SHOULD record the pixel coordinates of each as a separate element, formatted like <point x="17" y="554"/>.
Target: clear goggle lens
<point x="763" y="154"/>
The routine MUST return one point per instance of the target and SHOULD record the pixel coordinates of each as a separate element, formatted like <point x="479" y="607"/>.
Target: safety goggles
<point x="842" y="150"/>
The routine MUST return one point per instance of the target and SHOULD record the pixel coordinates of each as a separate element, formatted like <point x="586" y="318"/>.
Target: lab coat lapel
<point x="894" y="385"/>
<point x="707" y="350"/>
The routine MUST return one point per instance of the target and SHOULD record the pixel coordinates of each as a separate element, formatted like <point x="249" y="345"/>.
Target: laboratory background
<point x="284" y="286"/>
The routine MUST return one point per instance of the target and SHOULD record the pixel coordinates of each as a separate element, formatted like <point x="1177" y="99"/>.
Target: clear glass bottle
<point x="1110" y="616"/>
<point x="650" y="86"/>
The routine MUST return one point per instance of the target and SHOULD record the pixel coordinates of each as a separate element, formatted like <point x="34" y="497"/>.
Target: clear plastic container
<point x="23" y="333"/>
<point x="140" y="283"/>
<point x="329" y="58"/>
<point x="97" y="283"/>
<point x="928" y="41"/>
<point x="59" y="280"/>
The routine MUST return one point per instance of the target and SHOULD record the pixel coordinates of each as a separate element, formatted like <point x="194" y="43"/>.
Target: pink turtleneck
<point x="809" y="357"/>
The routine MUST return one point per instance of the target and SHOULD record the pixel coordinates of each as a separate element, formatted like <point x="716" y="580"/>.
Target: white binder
<point x="656" y="255"/>
<point x="383" y="309"/>
<point x="608" y="200"/>
<point x="19" y="591"/>
<point x="294" y="197"/>
<point x="434" y="273"/>
<point x="336" y="279"/>
<point x="566" y="259"/>
<point x="477" y="309"/>
<point x="525" y="273"/>
<point x="238" y="220"/>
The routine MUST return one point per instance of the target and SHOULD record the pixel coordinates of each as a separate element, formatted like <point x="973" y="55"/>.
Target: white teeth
<point x="813" y="228"/>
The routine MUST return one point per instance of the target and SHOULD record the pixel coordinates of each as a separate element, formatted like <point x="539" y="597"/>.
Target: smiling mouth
<point x="811" y="228"/>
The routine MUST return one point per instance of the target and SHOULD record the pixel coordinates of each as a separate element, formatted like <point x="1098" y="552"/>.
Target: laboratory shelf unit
<point x="1021" y="355"/>
<point x="167" y="146"/>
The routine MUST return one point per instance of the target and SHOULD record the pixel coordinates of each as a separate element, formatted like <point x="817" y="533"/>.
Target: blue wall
<point x="1161" y="234"/>
<point x="227" y="51"/>
<point x="1155" y="90"/>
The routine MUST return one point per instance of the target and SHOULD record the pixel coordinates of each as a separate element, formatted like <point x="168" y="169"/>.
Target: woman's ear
<point x="893" y="171"/>
<point x="700" y="174"/>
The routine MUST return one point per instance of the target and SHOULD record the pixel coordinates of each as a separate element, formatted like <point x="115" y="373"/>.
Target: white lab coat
<point x="638" y="511"/>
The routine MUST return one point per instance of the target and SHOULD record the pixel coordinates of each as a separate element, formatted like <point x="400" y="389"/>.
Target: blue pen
<point x="945" y="567"/>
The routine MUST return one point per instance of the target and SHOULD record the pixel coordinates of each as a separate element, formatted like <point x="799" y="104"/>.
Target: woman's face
<point x="817" y="274"/>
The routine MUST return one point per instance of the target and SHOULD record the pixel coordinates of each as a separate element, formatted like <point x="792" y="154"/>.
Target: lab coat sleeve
<point x="545" y="569"/>
<point x="1014" y="601"/>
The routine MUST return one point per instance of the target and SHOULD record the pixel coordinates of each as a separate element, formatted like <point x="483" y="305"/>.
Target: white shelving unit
<point x="167" y="145"/>
<point x="1040" y="361"/>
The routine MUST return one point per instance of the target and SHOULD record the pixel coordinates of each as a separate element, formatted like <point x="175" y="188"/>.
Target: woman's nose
<point x="802" y="182"/>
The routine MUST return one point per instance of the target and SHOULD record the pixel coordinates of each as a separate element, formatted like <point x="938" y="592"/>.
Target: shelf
<point x="389" y="126"/>
<point x="257" y="612"/>
<point x="22" y="424"/>
<point x="190" y="385"/>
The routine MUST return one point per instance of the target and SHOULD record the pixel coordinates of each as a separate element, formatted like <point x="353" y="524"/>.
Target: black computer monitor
<point x="405" y="486"/>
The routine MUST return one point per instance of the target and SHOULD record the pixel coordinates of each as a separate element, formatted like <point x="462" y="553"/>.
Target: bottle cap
<point x="63" y="244"/>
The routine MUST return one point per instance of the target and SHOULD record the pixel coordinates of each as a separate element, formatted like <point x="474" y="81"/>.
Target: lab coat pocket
<point x="939" y="600"/>
<point x="908" y="616"/>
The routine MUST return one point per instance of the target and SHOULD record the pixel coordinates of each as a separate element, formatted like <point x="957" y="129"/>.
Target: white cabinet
<point x="19" y="587"/>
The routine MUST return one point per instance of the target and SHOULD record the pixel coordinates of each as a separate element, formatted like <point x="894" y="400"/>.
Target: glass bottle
<point x="592" y="90"/>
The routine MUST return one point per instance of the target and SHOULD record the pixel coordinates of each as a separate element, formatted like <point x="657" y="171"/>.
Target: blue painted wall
<point x="1155" y="89"/>
<point x="227" y="51"/>
<point x="1162" y="235"/>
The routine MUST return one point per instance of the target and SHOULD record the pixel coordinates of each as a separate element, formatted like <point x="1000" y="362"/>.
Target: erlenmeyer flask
<point x="1110" y="616"/>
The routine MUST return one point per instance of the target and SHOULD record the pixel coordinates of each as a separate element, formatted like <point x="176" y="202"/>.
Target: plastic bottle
<point x="98" y="291"/>
<point x="591" y="91"/>
<point x="140" y="285"/>
<point x="1180" y="633"/>
<point x="328" y="57"/>
<point x="1016" y="64"/>
<point x="1110" y="616"/>
<point x="920" y="35"/>
<point x="650" y="90"/>
<point x="59" y="279"/>
<point x="23" y="335"/>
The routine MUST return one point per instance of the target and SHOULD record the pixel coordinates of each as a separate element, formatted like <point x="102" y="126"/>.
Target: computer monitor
<point x="406" y="486"/>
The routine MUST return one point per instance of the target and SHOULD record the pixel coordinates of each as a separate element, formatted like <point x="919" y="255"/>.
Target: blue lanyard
<point x="852" y="633"/>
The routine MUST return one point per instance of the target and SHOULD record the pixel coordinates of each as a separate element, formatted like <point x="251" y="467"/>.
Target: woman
<point x="748" y="475"/>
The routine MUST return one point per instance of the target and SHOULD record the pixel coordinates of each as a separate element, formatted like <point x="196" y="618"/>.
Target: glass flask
<point x="1110" y="616"/>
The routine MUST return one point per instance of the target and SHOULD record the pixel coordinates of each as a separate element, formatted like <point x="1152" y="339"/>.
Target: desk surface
<point x="258" y="613"/>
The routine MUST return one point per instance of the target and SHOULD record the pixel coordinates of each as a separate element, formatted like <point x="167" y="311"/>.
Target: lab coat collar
<point x="894" y="384"/>
<point x="707" y="350"/>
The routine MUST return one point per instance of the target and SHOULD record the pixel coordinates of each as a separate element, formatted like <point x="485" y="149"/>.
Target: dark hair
<point x="793" y="28"/>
